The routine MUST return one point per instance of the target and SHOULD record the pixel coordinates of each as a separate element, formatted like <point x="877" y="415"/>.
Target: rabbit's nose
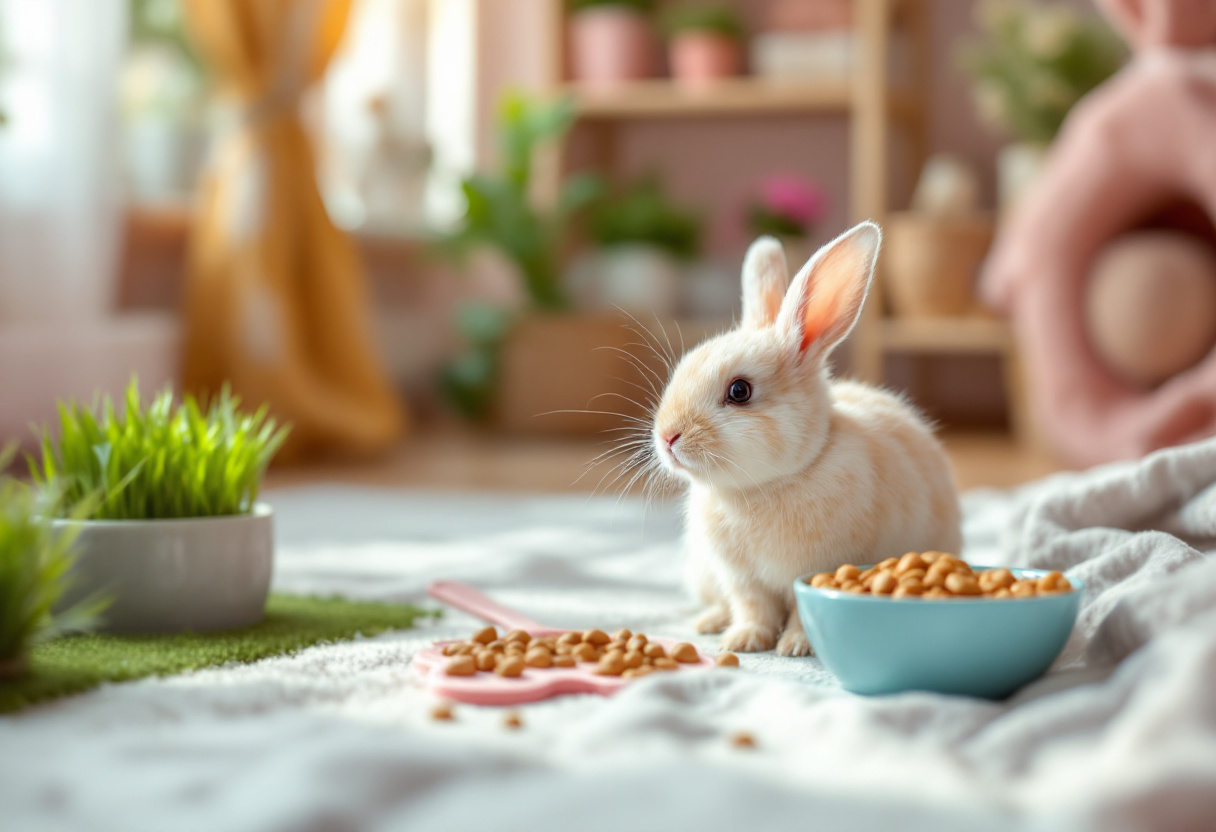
<point x="671" y="439"/>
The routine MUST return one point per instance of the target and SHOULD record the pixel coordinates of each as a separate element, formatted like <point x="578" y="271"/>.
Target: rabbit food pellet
<point x="625" y="654"/>
<point x="727" y="660"/>
<point x="936" y="575"/>
<point x="462" y="665"/>
<point x="742" y="739"/>
<point x="510" y="667"/>
<point x="442" y="711"/>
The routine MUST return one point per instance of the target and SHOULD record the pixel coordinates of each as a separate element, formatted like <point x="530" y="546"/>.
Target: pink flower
<point x="794" y="198"/>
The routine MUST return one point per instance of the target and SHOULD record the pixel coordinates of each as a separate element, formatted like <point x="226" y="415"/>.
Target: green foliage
<point x="161" y="23"/>
<point x="643" y="214"/>
<point x="500" y="213"/>
<point x="72" y="665"/>
<point x="761" y="220"/>
<point x="1034" y="62"/>
<point x="703" y="17"/>
<point x="643" y="6"/>
<point x="468" y="382"/>
<point x="35" y="562"/>
<point x="162" y="462"/>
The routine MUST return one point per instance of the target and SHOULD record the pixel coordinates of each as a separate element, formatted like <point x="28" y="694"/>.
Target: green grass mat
<point x="79" y="663"/>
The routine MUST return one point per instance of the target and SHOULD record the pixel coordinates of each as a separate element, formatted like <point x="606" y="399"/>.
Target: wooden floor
<point x="451" y="460"/>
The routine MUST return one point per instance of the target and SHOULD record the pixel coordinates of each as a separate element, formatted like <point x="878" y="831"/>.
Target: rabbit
<point x="787" y="471"/>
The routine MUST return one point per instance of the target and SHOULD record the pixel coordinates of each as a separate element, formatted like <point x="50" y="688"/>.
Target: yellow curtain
<point x="275" y="297"/>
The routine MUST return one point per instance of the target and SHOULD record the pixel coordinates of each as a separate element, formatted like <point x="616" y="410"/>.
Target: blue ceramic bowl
<point x="981" y="647"/>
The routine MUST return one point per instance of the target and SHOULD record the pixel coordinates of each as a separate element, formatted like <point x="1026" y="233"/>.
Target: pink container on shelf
<point x="700" y="58"/>
<point x="610" y="45"/>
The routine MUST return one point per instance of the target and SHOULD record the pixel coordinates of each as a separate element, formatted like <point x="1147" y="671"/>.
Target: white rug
<point x="339" y="737"/>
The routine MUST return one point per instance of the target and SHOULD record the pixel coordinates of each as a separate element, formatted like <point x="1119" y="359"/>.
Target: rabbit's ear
<point x="765" y="279"/>
<point x="825" y="299"/>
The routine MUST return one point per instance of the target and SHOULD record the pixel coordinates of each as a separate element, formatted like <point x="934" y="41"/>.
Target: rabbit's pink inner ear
<point x="835" y="289"/>
<point x="835" y="297"/>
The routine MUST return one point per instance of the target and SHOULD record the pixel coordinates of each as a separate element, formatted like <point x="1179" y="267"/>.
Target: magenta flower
<point x="798" y="200"/>
<point x="786" y="206"/>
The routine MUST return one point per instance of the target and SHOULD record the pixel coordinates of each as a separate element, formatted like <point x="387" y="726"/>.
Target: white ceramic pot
<point x="711" y="292"/>
<point x="168" y="576"/>
<point x="641" y="279"/>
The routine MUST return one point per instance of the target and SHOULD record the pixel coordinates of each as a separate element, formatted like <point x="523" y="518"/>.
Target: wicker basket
<point x="930" y="263"/>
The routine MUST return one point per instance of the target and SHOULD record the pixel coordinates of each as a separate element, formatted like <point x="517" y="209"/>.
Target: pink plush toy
<point x="1140" y="144"/>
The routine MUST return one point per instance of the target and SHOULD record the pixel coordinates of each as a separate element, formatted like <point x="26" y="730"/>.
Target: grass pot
<point x="700" y="58"/>
<point x="931" y="261"/>
<point x="610" y="45"/>
<point x="196" y="574"/>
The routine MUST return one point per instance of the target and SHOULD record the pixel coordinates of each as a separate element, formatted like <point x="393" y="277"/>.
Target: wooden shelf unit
<point x="662" y="98"/>
<point x="868" y="100"/>
<point x="965" y="336"/>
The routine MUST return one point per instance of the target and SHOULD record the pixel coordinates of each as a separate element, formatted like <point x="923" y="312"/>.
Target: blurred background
<point x="428" y="232"/>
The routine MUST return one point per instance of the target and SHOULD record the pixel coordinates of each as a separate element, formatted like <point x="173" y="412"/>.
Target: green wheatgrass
<point x="159" y="462"/>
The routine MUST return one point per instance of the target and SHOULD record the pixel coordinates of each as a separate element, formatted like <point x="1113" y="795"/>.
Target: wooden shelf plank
<point x="663" y="98"/>
<point x="946" y="335"/>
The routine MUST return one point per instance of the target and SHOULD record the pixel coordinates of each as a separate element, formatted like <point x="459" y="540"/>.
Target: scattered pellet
<point x="685" y="653"/>
<point x="586" y="653"/>
<point x="510" y="667"/>
<point x="463" y="665"/>
<point x="742" y="739"/>
<point x="726" y="660"/>
<point x="597" y="638"/>
<point x="654" y="650"/>
<point x="538" y="657"/>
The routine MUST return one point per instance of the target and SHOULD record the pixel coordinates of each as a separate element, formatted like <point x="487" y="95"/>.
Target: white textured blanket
<point x="1121" y="736"/>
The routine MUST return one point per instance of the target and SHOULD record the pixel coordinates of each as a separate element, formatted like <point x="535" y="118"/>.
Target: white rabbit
<point x="789" y="472"/>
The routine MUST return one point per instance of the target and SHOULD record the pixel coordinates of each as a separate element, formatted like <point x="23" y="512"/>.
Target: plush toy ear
<point x="765" y="279"/>
<point x="825" y="299"/>
<point x="1145" y="24"/>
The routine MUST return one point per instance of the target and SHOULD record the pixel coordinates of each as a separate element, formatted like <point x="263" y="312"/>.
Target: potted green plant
<point x="643" y="241"/>
<point x="705" y="43"/>
<point x="611" y="41"/>
<point x="162" y="501"/>
<point x="1032" y="62"/>
<point x="502" y="214"/>
<point x="36" y="562"/>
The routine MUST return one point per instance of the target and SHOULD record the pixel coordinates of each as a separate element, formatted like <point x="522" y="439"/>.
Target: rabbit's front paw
<point x="749" y="637"/>
<point x="794" y="643"/>
<point x="713" y="620"/>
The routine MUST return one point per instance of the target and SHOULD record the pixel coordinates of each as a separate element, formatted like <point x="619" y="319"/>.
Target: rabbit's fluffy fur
<point x="808" y="473"/>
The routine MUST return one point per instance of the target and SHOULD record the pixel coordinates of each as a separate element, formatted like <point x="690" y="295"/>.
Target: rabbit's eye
<point x="738" y="392"/>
